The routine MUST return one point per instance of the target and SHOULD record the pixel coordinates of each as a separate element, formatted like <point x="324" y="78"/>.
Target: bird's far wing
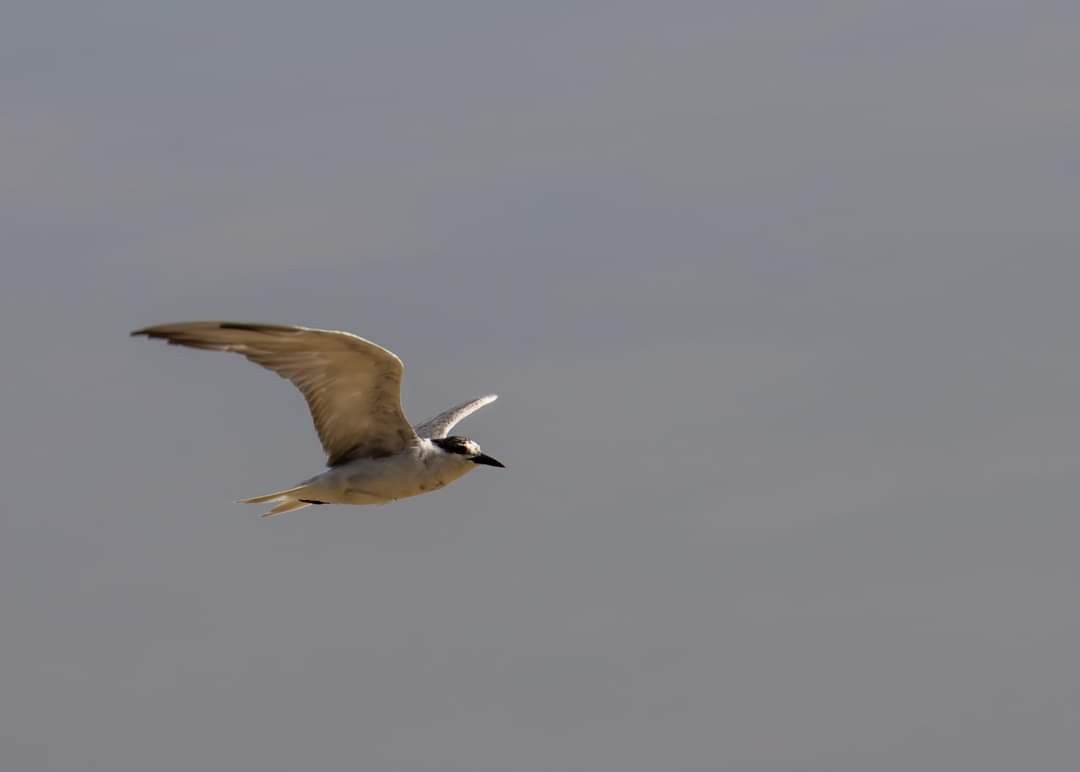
<point x="440" y="425"/>
<point x="352" y="386"/>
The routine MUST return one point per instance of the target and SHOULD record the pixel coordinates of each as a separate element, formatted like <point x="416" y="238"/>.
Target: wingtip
<point x="152" y="331"/>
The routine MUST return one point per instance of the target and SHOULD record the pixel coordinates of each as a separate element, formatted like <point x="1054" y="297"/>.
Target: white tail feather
<point x="288" y="492"/>
<point x="286" y="500"/>
<point x="289" y="505"/>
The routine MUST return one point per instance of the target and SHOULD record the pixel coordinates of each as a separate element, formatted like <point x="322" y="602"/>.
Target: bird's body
<point x="420" y="468"/>
<point x="352" y="389"/>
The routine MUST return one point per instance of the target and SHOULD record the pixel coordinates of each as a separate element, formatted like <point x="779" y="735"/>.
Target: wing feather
<point x="352" y="386"/>
<point x="440" y="425"/>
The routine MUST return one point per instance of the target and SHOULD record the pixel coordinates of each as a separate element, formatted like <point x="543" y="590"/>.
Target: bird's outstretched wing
<point x="352" y="386"/>
<point x="440" y="425"/>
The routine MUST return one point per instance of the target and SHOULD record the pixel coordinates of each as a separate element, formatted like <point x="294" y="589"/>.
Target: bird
<point x="353" y="391"/>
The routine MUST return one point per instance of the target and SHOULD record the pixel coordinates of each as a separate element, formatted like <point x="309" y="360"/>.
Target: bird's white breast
<point x="420" y="469"/>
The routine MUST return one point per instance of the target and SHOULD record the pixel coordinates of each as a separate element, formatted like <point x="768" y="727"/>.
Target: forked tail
<point x="287" y="500"/>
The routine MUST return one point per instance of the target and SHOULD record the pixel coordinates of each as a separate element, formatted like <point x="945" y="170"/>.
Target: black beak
<point x="487" y="460"/>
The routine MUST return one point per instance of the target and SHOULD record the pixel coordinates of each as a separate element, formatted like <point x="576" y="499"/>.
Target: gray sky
<point x="781" y="300"/>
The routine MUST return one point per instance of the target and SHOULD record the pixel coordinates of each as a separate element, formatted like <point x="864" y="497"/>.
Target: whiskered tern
<point x="353" y="389"/>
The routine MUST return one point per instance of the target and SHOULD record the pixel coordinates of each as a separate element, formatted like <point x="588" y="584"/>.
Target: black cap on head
<point x="463" y="446"/>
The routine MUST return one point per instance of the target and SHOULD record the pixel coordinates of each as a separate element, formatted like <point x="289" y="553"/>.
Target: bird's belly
<point x="379" y="481"/>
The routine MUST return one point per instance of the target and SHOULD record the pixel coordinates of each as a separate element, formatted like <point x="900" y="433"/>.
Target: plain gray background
<point x="781" y="300"/>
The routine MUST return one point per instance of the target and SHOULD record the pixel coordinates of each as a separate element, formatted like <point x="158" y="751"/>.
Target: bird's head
<point x="462" y="446"/>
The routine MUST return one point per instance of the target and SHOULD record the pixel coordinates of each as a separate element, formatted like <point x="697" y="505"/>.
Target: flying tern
<point x="353" y="390"/>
